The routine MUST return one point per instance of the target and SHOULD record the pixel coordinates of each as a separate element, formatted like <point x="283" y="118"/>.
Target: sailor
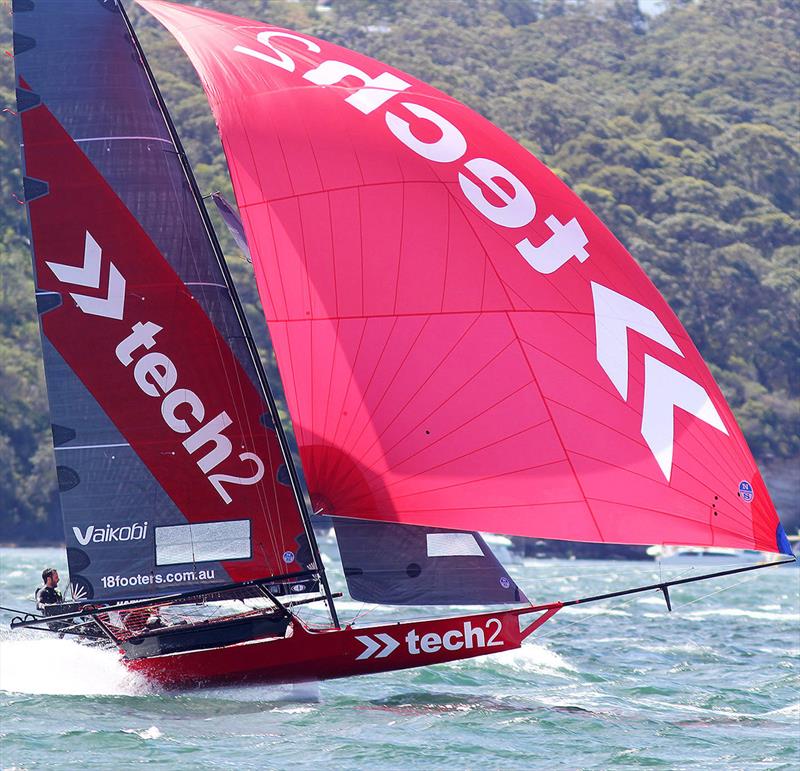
<point x="142" y="619"/>
<point x="48" y="598"/>
<point x="48" y="594"/>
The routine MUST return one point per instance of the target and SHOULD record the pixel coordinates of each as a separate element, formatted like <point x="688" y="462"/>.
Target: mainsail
<point x="462" y="342"/>
<point x="170" y="473"/>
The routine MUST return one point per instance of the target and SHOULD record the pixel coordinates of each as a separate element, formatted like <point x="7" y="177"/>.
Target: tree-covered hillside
<point x="679" y="130"/>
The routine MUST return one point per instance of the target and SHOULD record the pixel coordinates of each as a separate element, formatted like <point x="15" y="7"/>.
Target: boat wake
<point x="64" y="667"/>
<point x="67" y="668"/>
<point x="530" y="658"/>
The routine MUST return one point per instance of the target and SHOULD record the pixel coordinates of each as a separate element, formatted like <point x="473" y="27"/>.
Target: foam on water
<point x="64" y="667"/>
<point x="148" y="733"/>
<point x="294" y="710"/>
<point x="760" y="615"/>
<point x="651" y="601"/>
<point x="531" y="657"/>
<point x="679" y="647"/>
<point x="597" y="610"/>
<point x="353" y="605"/>
<point x="791" y="710"/>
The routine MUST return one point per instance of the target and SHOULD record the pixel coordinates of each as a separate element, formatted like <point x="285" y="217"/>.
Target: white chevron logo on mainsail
<point x="112" y="306"/>
<point x="371" y="646"/>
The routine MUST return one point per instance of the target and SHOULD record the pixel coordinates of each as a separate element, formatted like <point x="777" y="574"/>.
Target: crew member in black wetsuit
<point x="48" y="594"/>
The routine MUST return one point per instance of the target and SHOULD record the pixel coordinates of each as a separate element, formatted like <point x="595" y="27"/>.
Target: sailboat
<point x="462" y="344"/>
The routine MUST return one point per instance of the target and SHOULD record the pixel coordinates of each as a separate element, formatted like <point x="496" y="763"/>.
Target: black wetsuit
<point x="48" y="598"/>
<point x="48" y="595"/>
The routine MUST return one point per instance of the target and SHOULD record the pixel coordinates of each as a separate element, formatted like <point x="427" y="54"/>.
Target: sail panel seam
<point x="535" y="382"/>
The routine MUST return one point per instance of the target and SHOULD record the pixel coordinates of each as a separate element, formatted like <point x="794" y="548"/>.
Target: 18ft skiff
<point x="462" y="344"/>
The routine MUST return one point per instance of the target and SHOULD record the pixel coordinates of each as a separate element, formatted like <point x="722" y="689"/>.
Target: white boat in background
<point x="503" y="548"/>
<point x="694" y="556"/>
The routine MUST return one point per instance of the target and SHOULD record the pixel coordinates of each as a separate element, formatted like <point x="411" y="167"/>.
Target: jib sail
<point x="396" y="564"/>
<point x="170" y="474"/>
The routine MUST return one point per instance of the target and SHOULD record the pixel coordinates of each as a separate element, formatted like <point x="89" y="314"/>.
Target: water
<point x="620" y="685"/>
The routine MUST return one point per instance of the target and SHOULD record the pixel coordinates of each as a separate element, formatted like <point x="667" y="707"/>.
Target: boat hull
<point x="306" y="654"/>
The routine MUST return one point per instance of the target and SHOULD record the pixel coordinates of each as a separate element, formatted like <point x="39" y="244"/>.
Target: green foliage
<point x="679" y="130"/>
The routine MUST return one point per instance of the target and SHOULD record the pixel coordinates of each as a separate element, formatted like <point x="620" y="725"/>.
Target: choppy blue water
<point x="714" y="685"/>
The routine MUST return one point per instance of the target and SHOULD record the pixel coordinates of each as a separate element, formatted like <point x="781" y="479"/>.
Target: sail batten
<point x="463" y="344"/>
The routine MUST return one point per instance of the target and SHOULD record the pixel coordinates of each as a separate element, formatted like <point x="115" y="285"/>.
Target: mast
<point x="300" y="496"/>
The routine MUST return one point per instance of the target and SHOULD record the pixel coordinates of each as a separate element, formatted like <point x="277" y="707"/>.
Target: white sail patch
<point x="453" y="545"/>
<point x="203" y="542"/>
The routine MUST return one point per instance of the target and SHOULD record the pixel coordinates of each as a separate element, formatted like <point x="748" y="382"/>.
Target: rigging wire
<point x="560" y="628"/>
<point x="586" y="618"/>
<point x="716" y="591"/>
<point x="363" y="611"/>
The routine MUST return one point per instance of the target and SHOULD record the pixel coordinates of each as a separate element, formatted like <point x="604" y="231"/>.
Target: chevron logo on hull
<point x="373" y="646"/>
<point x="381" y="644"/>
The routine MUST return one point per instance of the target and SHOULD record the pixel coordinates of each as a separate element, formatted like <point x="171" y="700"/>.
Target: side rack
<point x="179" y="622"/>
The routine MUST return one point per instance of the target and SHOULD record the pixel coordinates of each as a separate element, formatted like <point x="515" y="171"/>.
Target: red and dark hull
<point x="307" y="654"/>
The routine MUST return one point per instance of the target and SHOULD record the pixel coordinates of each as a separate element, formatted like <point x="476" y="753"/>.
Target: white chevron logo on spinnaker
<point x="664" y="387"/>
<point x="372" y="646"/>
<point x="112" y="306"/>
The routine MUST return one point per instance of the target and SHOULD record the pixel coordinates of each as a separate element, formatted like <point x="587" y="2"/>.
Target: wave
<point x="680" y="647"/>
<point x="790" y="710"/>
<point x="294" y="710"/>
<point x="596" y="610"/>
<point x="650" y="601"/>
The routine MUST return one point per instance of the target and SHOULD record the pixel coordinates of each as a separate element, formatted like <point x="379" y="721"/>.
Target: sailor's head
<point x="50" y="577"/>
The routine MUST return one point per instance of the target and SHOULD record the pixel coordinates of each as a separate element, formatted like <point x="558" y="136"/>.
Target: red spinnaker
<point x="462" y="342"/>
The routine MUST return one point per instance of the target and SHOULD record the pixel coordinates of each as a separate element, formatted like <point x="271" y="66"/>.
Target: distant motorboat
<point x="696" y="556"/>
<point x="503" y="548"/>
